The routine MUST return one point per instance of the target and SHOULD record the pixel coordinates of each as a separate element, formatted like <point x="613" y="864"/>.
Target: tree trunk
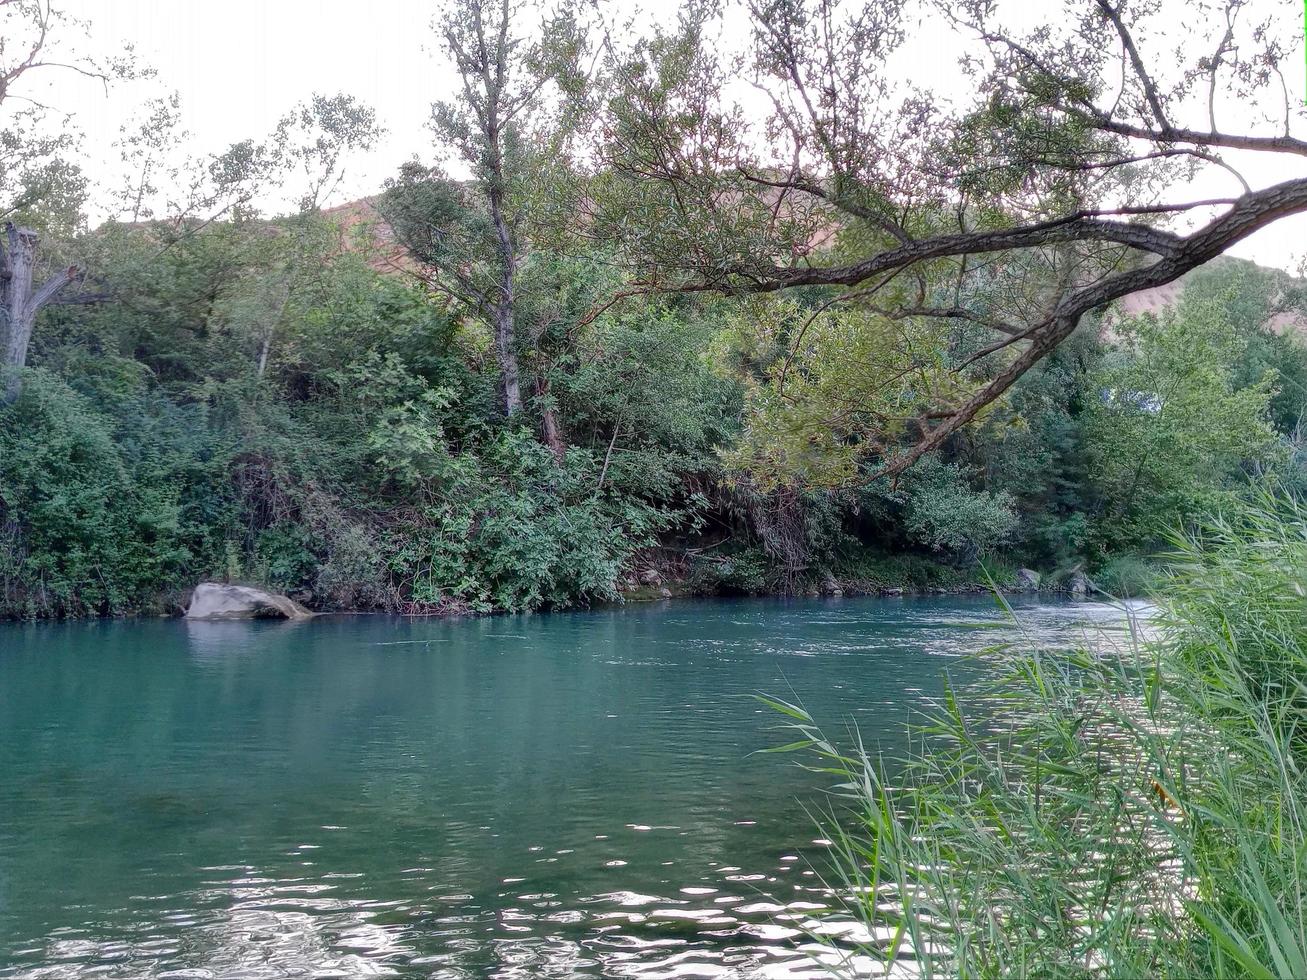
<point x="505" y="307"/>
<point x="278" y="295"/>
<point x="19" y="302"/>
<point x="507" y="355"/>
<point x="608" y="456"/>
<point x="549" y="422"/>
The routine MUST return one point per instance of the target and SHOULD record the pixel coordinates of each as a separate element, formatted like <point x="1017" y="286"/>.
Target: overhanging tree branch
<point x="1202" y="246"/>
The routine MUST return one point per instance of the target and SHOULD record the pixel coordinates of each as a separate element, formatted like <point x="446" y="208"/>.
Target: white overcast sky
<point x="239" y="65"/>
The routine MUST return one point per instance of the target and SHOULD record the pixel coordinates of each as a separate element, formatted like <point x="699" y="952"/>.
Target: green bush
<point x="939" y="508"/>
<point x="914" y="573"/>
<point x="515" y="530"/>
<point x="82" y="532"/>
<point x="1127" y="576"/>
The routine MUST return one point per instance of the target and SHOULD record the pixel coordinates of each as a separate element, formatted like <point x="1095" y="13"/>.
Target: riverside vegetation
<point x="1137" y="814"/>
<point x="368" y="465"/>
<point x="561" y="359"/>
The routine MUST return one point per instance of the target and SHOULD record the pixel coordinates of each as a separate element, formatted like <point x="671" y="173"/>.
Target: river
<point x="528" y="796"/>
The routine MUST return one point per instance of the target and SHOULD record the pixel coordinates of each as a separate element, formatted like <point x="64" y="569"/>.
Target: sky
<point x="239" y="65"/>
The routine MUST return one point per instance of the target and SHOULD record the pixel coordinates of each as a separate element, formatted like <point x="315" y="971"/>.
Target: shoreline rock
<point x="1028" y="580"/>
<point x="1078" y="585"/>
<point x="216" y="601"/>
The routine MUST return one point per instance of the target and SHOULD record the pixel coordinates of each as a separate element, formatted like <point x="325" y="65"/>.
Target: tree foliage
<point x="726" y="332"/>
<point x="1049" y="188"/>
<point x="1171" y="428"/>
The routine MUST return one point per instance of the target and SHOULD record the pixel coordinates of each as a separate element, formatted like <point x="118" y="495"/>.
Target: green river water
<point x="531" y="796"/>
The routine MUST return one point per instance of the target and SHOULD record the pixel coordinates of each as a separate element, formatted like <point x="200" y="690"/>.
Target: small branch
<point x="843" y="204"/>
<point x="1197" y="137"/>
<point x="603" y="473"/>
<point x="1150" y="89"/>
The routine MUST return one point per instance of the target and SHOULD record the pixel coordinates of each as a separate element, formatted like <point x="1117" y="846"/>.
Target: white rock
<point x="215" y="600"/>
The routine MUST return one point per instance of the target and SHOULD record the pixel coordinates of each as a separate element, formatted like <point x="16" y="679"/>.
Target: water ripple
<point x="555" y="796"/>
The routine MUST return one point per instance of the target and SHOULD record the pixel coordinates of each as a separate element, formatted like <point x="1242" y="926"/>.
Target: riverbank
<point x="656" y="578"/>
<point x="1136" y="810"/>
<point x="882" y="575"/>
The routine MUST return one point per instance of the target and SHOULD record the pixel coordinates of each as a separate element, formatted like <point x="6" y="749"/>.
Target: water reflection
<point x="546" y="796"/>
<point x="255" y="926"/>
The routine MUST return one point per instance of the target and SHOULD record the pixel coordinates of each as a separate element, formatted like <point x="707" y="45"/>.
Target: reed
<point x="1134" y="810"/>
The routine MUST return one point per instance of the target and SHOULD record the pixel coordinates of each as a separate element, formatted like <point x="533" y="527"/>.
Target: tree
<point x="1265" y="308"/>
<point x="1171" y="428"/>
<point x="31" y="35"/>
<point x="518" y="72"/>
<point x="317" y="138"/>
<point x="312" y="145"/>
<point x="20" y="300"/>
<point x="1051" y="189"/>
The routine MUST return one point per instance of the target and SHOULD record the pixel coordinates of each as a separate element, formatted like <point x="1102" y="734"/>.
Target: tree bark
<point x="608" y="456"/>
<point x="492" y="76"/>
<point x="20" y="303"/>
<point x="504" y="339"/>
<point x="549" y="423"/>
<point x="279" y="296"/>
<point x="507" y="356"/>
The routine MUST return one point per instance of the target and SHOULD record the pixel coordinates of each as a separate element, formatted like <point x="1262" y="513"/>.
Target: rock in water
<point x="214" y="600"/>
<point x="1078" y="585"/>
<point x="1027" y="580"/>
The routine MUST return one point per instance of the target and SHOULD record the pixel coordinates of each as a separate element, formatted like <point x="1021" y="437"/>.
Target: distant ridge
<point x="1162" y="298"/>
<point x="385" y="254"/>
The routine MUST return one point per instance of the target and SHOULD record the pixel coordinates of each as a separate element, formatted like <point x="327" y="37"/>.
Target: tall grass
<point x="1139" y="811"/>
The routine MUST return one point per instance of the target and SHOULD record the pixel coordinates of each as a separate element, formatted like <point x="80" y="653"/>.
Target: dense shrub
<point x="84" y="530"/>
<point x="745" y="572"/>
<point x="944" y="513"/>
<point x="514" y="530"/>
<point x="1127" y="576"/>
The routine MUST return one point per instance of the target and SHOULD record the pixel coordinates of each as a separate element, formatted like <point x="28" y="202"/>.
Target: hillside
<point x="1160" y="298"/>
<point x="363" y="228"/>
